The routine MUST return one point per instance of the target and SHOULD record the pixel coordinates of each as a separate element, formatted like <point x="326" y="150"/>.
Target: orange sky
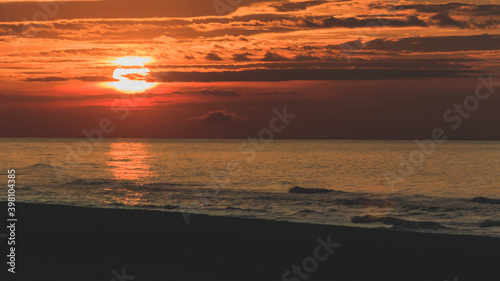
<point x="349" y="69"/>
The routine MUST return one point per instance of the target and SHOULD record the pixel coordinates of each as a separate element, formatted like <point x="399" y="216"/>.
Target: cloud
<point x="296" y="6"/>
<point x="437" y="44"/>
<point x="444" y="20"/>
<point x="302" y="57"/>
<point x="39" y="98"/>
<point x="95" y="78"/>
<point x="310" y="74"/>
<point x="445" y="15"/>
<point x="353" y="22"/>
<point x="207" y="92"/>
<point x="46" y="79"/>
<point x="463" y="8"/>
<point x="218" y="116"/>
<point x="242" y="57"/>
<point x="269" y="56"/>
<point x="61" y="79"/>
<point x="278" y="93"/>
<point x="213" y="56"/>
<point x="15" y="11"/>
<point x="80" y="52"/>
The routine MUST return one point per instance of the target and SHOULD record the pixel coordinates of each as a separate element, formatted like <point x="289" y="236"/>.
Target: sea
<point x="451" y="187"/>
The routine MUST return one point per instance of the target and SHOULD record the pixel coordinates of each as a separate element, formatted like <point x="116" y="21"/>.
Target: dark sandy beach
<point x="73" y="243"/>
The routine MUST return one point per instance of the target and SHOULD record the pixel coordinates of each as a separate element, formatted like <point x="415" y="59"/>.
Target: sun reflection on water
<point x="129" y="161"/>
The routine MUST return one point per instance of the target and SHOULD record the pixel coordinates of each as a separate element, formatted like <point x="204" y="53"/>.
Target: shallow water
<point x="233" y="177"/>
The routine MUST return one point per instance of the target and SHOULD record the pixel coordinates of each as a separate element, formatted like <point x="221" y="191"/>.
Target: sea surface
<point x="453" y="188"/>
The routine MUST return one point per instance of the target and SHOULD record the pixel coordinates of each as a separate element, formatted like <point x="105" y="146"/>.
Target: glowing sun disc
<point x="131" y="80"/>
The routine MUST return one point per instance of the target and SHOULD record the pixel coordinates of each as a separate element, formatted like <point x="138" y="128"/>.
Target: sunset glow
<point x="358" y="63"/>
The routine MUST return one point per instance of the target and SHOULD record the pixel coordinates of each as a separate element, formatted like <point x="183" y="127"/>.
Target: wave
<point x="151" y="206"/>
<point x="116" y="204"/>
<point x="170" y="207"/>
<point x="303" y="190"/>
<point x="229" y="208"/>
<point x="398" y="223"/>
<point x="94" y="182"/>
<point x="362" y="201"/>
<point x="367" y="219"/>
<point x="305" y="211"/>
<point x="485" y="200"/>
<point x="127" y="184"/>
<point x="489" y="223"/>
<point x="38" y="165"/>
<point x="160" y="184"/>
<point x="52" y="167"/>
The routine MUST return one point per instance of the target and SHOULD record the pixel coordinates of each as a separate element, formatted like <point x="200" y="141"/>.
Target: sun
<point x="131" y="74"/>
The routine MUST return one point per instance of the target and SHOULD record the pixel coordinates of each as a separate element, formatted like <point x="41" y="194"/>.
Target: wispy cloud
<point x="218" y="116"/>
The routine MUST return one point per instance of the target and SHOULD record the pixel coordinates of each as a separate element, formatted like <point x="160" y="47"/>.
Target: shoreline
<point x="81" y="243"/>
<point x="367" y="221"/>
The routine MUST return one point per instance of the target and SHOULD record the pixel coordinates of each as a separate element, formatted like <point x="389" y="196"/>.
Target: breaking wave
<point x="398" y="223"/>
<point x="485" y="200"/>
<point x="303" y="190"/>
